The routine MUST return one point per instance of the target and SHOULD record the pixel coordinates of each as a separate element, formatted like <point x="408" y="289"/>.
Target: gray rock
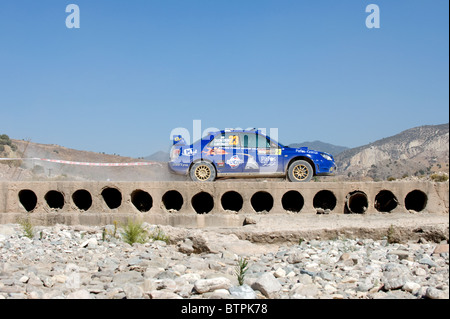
<point x="90" y="243"/>
<point x="159" y="294"/>
<point x="133" y="291"/>
<point x="325" y="275"/>
<point x="79" y="294"/>
<point x="305" y="279"/>
<point x="395" y="276"/>
<point x="305" y="291"/>
<point x="411" y="287"/>
<point x="249" y="221"/>
<point x="72" y="262"/>
<point x="433" y="293"/>
<point x="134" y="261"/>
<point x="6" y="231"/>
<point x="206" y="285"/>
<point x="268" y="285"/>
<point x="401" y="254"/>
<point x="297" y="257"/>
<point x="122" y="278"/>
<point x="186" y="246"/>
<point x="243" y="292"/>
<point x="427" y="261"/>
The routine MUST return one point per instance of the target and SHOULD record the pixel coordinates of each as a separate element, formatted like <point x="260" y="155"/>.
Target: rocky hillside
<point x="415" y="152"/>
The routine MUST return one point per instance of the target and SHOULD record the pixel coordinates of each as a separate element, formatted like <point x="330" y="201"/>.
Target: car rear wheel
<point x="203" y="172"/>
<point x="300" y="171"/>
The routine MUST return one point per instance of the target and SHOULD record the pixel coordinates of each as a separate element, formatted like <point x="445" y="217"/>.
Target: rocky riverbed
<point x="87" y="262"/>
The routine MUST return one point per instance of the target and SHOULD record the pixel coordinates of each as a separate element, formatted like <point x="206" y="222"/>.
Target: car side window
<point x="248" y="140"/>
<point x="252" y="140"/>
<point x="263" y="142"/>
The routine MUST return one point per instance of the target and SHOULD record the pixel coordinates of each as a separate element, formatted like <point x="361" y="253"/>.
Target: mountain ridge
<point x="414" y="151"/>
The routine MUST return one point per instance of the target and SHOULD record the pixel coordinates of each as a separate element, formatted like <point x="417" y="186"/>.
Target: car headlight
<point x="326" y="156"/>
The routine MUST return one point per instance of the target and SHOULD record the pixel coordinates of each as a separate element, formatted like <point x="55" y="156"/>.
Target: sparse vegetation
<point x="241" y="269"/>
<point x="5" y="140"/>
<point x="109" y="234"/>
<point x="439" y="177"/>
<point x="134" y="232"/>
<point x="27" y="228"/>
<point x="391" y="237"/>
<point x="158" y="234"/>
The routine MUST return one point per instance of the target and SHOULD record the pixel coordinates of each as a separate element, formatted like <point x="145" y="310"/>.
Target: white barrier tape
<point x="82" y="163"/>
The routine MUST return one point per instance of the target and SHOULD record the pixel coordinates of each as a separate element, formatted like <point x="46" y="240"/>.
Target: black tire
<point x="300" y="171"/>
<point x="202" y="172"/>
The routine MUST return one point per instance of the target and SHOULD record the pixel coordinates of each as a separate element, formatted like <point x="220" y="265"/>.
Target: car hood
<point x="304" y="150"/>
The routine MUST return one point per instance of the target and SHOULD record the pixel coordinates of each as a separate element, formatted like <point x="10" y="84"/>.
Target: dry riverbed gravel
<point x="80" y="262"/>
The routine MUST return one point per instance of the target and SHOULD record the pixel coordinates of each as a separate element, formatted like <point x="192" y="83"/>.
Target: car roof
<point x="254" y="130"/>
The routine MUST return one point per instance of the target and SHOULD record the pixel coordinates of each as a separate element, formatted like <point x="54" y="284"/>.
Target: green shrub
<point x="134" y="233"/>
<point x="241" y="269"/>
<point x="27" y="228"/>
<point x="5" y="140"/>
<point x="158" y="234"/>
<point x="439" y="178"/>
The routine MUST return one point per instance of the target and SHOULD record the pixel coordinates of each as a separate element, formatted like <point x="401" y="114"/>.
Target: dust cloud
<point x="30" y="168"/>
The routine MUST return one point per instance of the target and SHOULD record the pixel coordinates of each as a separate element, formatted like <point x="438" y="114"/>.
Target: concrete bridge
<point x="218" y="204"/>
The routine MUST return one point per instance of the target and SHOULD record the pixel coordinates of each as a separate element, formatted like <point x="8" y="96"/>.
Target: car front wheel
<point x="300" y="171"/>
<point x="203" y="172"/>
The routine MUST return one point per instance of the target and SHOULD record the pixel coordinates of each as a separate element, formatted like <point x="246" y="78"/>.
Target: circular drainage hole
<point x="112" y="197"/>
<point x="416" y="200"/>
<point x="28" y="199"/>
<point x="262" y="201"/>
<point x="203" y="203"/>
<point x="82" y="199"/>
<point x="172" y="200"/>
<point x="356" y="203"/>
<point x="385" y="201"/>
<point x="324" y="200"/>
<point x="232" y="201"/>
<point x="54" y="199"/>
<point x="141" y="200"/>
<point x="292" y="201"/>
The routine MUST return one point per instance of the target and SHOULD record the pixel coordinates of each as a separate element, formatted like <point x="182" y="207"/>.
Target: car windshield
<point x="281" y="145"/>
<point x="272" y="141"/>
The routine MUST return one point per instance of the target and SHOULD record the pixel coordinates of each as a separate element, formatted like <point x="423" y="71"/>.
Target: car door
<point x="223" y="152"/>
<point x="261" y="155"/>
<point x="249" y="152"/>
<point x="272" y="161"/>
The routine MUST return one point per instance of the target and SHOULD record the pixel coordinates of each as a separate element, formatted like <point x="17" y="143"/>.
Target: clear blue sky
<point x="137" y="69"/>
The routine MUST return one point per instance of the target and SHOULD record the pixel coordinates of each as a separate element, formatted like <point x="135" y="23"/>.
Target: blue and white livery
<point x="246" y="153"/>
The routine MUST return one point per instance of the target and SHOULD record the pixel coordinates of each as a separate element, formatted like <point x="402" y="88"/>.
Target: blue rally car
<point x="246" y="153"/>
